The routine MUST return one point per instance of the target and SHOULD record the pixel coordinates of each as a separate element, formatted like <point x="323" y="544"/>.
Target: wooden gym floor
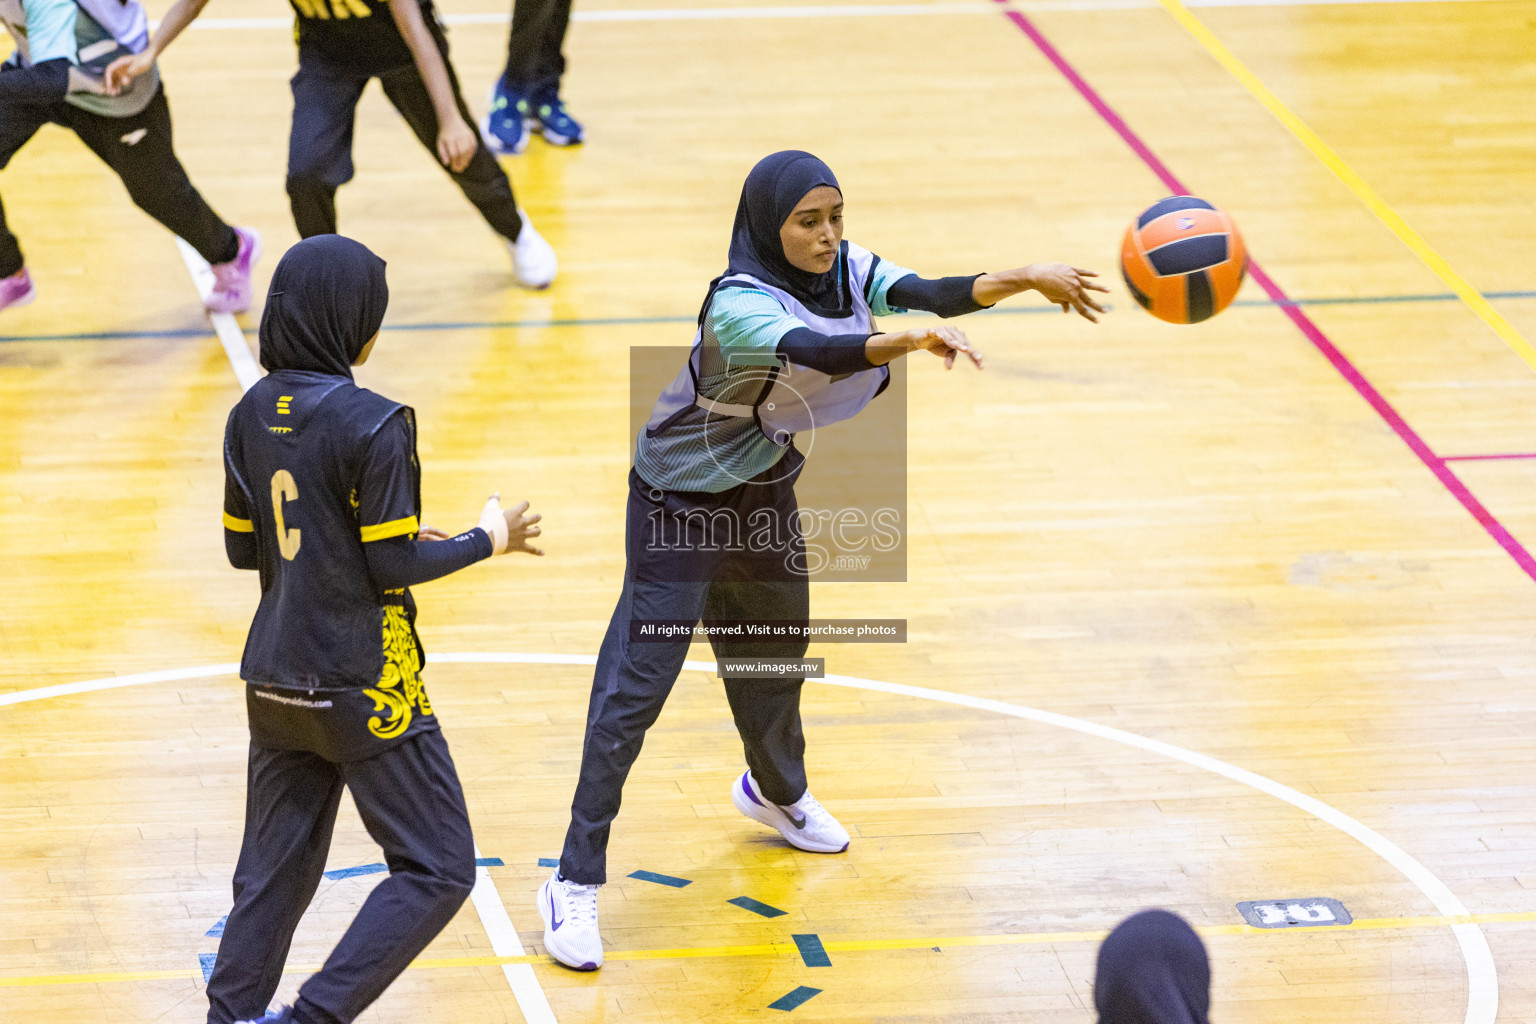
<point x="1211" y="537"/>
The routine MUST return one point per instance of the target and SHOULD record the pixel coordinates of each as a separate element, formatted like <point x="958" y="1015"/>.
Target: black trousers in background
<point x="410" y="801"/>
<point x="687" y="578"/>
<point x="535" y="62"/>
<point x="325" y="95"/>
<point x="139" y="148"/>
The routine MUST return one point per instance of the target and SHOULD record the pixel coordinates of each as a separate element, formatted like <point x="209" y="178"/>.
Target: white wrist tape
<point x="493" y="522"/>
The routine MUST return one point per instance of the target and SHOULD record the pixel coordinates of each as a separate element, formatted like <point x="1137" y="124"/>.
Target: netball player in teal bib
<point x="786" y="340"/>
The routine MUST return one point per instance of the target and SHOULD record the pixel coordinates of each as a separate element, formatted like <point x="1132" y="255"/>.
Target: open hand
<point x="521" y="526"/>
<point x="948" y="342"/>
<point x="1067" y="286"/>
<point x="510" y="528"/>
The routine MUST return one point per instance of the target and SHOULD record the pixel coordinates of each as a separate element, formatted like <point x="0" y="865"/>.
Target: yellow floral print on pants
<point x="400" y="689"/>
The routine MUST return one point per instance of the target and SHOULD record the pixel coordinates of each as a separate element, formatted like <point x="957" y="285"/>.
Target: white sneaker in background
<point x="533" y="261"/>
<point x="569" y="910"/>
<point x="805" y="823"/>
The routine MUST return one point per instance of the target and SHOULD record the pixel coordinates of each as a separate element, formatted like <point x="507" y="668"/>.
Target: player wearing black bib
<point x="322" y="497"/>
<point x="343" y="44"/>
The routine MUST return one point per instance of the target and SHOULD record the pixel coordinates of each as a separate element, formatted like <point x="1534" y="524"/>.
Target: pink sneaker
<point x="17" y="290"/>
<point x="232" y="281"/>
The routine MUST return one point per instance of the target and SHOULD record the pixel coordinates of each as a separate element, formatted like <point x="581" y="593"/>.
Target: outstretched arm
<point x="121" y="72"/>
<point x="1064" y="285"/>
<point x="1067" y="286"/>
<point x="456" y="141"/>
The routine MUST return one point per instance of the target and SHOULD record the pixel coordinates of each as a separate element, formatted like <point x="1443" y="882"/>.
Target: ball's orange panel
<point x="1171" y="227"/>
<point x="1134" y="265"/>
<point x="1168" y="300"/>
<point x="1237" y="249"/>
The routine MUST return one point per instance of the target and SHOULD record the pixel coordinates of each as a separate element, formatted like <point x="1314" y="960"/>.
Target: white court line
<point x="504" y="942"/>
<point x="1482" y="975"/>
<point x="823" y="11"/>
<point x="247" y="372"/>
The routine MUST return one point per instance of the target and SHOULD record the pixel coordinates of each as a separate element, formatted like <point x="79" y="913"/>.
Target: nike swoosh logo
<point x="555" y="926"/>
<point x="797" y="822"/>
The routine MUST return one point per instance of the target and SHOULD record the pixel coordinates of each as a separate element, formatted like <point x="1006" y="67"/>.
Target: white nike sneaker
<point x="533" y="260"/>
<point x="569" y="910"/>
<point x="805" y="823"/>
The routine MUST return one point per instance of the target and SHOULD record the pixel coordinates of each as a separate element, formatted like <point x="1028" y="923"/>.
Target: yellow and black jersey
<point x="315" y="468"/>
<point x="359" y="34"/>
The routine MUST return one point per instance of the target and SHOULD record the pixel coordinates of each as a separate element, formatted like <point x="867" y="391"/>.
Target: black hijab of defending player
<point x="1153" y="969"/>
<point x="327" y="299"/>
<point x="772" y="189"/>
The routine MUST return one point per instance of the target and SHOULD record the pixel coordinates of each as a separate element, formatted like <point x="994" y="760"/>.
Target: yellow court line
<point x="790" y="949"/>
<point x="1358" y="185"/>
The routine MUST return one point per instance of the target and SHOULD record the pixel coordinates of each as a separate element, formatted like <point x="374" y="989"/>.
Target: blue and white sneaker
<point x="505" y="128"/>
<point x="805" y="823"/>
<point x="281" y="1015"/>
<point x="554" y="122"/>
<point x="569" y="910"/>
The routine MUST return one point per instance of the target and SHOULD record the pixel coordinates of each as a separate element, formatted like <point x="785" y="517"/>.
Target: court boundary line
<point x="225" y="326"/>
<point x="492" y="911"/>
<point x="1482" y="977"/>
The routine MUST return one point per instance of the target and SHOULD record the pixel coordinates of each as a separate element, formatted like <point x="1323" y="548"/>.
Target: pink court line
<point x="1482" y="458"/>
<point x="1434" y="463"/>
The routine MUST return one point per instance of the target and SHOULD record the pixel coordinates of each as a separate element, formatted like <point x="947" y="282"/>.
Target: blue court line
<point x="548" y="862"/>
<point x="812" y="951"/>
<point x="481" y="325"/>
<point x="218" y="928"/>
<point x="794" y="999"/>
<point x="207" y="960"/>
<point x="651" y="876"/>
<point x="761" y="909"/>
<point x="373" y="869"/>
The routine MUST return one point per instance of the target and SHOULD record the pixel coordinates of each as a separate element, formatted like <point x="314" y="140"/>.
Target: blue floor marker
<point x="761" y="909"/>
<point x="206" y="961"/>
<point x="812" y="951"/>
<point x="651" y="876"/>
<point x="374" y="869"/>
<point x="218" y="928"/>
<point x="548" y="862"/>
<point x="794" y="999"/>
<point x="361" y="869"/>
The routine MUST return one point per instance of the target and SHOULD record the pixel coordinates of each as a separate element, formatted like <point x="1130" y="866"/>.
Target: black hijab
<point x="1153" y="970"/>
<point x="772" y="190"/>
<point x="327" y="299"/>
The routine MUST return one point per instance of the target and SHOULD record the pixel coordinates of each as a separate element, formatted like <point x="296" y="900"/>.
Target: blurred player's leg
<point x="18" y="123"/>
<point x="412" y="805"/>
<point x="483" y="182"/>
<point x="290" y="810"/>
<point x="320" y="142"/>
<point x="141" y="149"/>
